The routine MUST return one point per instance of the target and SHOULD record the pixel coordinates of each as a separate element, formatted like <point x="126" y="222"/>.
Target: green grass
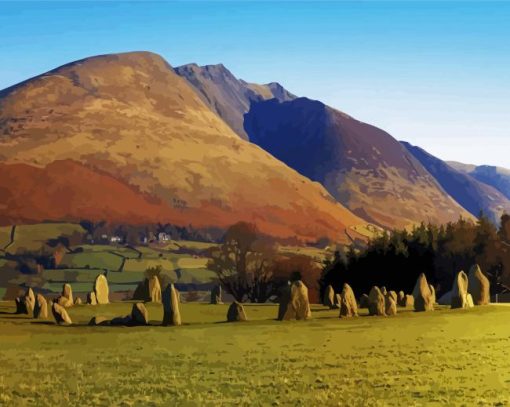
<point x="98" y="260"/>
<point x="441" y="358"/>
<point x="32" y="237"/>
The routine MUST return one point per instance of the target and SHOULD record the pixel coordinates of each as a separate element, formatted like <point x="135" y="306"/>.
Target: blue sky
<point x="436" y="74"/>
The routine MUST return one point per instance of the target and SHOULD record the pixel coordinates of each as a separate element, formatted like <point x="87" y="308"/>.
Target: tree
<point x="243" y="263"/>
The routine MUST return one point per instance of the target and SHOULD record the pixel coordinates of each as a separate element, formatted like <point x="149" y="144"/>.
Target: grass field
<point x="446" y="357"/>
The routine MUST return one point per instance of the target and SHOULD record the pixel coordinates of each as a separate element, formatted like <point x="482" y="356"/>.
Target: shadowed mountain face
<point x="127" y="125"/>
<point x="496" y="177"/>
<point x="473" y="195"/>
<point x="229" y="97"/>
<point x="362" y="166"/>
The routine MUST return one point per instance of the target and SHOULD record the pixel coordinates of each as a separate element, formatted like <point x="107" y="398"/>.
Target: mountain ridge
<point x="129" y="116"/>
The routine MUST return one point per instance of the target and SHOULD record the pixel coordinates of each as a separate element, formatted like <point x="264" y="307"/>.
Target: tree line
<point x="396" y="259"/>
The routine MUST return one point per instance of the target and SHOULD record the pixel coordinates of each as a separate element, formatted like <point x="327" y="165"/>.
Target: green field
<point x="446" y="357"/>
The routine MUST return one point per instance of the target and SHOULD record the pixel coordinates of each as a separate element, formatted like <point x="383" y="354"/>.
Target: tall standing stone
<point x="283" y="301"/>
<point x="236" y="312"/>
<point x="423" y="299"/>
<point x="101" y="289"/>
<point x="30" y="300"/>
<point x="172" y="314"/>
<point x="460" y="291"/>
<point x="148" y="290"/>
<point x="376" y="302"/>
<point x="479" y="286"/>
<point x="41" y="307"/>
<point x="433" y="293"/>
<point x="216" y="295"/>
<point x="390" y="306"/>
<point x="298" y="306"/>
<point x="67" y="296"/>
<point x="329" y="297"/>
<point x="348" y="306"/>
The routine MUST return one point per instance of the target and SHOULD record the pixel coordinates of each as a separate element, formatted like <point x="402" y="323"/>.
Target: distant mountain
<point x="229" y="97"/>
<point x="363" y="167"/>
<point x="473" y="195"/>
<point x="122" y="137"/>
<point x="497" y="177"/>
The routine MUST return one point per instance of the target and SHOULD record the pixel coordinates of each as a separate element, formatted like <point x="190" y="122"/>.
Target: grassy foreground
<point x="446" y="357"/>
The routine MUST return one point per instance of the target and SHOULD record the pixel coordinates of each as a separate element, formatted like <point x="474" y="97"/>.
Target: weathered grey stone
<point x="348" y="306"/>
<point x="376" y="302"/>
<point x="423" y="299"/>
<point x="479" y="286"/>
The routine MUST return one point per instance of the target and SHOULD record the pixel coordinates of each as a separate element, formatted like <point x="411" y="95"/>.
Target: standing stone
<point x="409" y="301"/>
<point x="391" y="306"/>
<point x="469" y="300"/>
<point x="21" y="305"/>
<point x="77" y="301"/>
<point x="329" y="297"/>
<point x="41" y="307"/>
<point x="348" y="306"/>
<point x="384" y="291"/>
<point x="459" y="291"/>
<point x="423" y="300"/>
<point x="91" y="298"/>
<point x="154" y="289"/>
<point x="101" y="289"/>
<point x="60" y="314"/>
<point x="479" y="286"/>
<point x="148" y="290"/>
<point x="298" y="306"/>
<point x="283" y="301"/>
<point x="363" y="301"/>
<point x="401" y="299"/>
<point x="67" y="296"/>
<point x="216" y="295"/>
<point x="30" y="300"/>
<point x="433" y="293"/>
<point x="393" y="295"/>
<point x="376" y="302"/>
<point x="236" y="312"/>
<point x="139" y="314"/>
<point x="172" y="314"/>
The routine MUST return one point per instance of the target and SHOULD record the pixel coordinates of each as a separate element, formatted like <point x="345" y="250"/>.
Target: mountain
<point x="363" y="167"/>
<point x="229" y="97"/>
<point x="473" y="195"/>
<point x="123" y="137"/>
<point x="497" y="177"/>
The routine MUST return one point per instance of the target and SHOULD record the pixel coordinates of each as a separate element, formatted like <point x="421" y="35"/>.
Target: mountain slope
<point x="229" y="97"/>
<point x="130" y="118"/>
<point x="497" y="177"/>
<point x="472" y="194"/>
<point x="362" y="166"/>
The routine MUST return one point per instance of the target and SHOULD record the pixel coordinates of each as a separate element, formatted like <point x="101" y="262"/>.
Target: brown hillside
<point x="131" y="119"/>
<point x="362" y="166"/>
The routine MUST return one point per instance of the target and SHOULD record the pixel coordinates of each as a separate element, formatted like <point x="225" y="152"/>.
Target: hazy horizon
<point x="433" y="74"/>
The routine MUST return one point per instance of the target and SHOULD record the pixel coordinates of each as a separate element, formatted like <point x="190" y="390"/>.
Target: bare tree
<point x="243" y="263"/>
